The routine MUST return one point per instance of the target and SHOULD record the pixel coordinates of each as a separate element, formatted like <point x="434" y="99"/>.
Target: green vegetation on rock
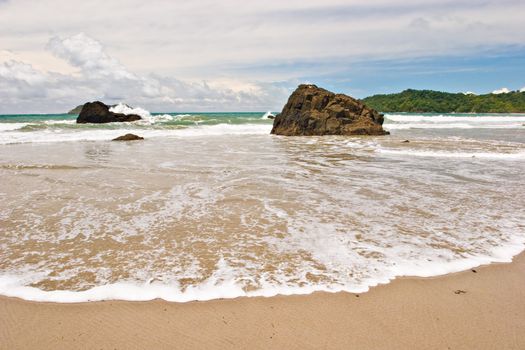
<point x="428" y="101"/>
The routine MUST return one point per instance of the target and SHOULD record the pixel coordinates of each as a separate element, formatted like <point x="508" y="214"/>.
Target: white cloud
<point x="6" y="55"/>
<point x="522" y="89"/>
<point x="100" y="76"/>
<point x="13" y="71"/>
<point x="89" y="56"/>
<point x="501" y="91"/>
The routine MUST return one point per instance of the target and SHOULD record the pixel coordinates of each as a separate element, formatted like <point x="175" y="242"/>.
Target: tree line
<point x="428" y="101"/>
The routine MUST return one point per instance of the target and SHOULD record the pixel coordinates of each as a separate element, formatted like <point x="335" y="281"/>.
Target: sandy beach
<point x="467" y="310"/>
<point x="262" y="175"/>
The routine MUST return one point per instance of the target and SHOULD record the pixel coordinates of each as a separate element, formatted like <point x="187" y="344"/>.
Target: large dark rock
<point x="128" y="137"/>
<point x="314" y="111"/>
<point x="98" y="112"/>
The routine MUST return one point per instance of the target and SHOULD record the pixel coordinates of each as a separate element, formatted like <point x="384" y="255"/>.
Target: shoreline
<point x="463" y="310"/>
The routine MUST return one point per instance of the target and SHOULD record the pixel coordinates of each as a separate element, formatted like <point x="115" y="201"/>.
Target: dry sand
<point x="410" y="313"/>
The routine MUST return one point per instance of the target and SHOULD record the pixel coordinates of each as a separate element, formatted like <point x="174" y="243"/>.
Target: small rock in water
<point x="406" y="141"/>
<point x="474" y="271"/>
<point x="128" y="137"/>
<point x="459" y="291"/>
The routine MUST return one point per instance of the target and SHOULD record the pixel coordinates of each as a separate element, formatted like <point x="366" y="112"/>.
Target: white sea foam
<point x="226" y="129"/>
<point x="50" y="135"/>
<point x="454" y="118"/>
<point x="224" y="285"/>
<point x="414" y="121"/>
<point x="520" y="155"/>
<point x="11" y="126"/>
<point x="18" y="126"/>
<point x="406" y="126"/>
<point x="181" y="116"/>
<point x="55" y="122"/>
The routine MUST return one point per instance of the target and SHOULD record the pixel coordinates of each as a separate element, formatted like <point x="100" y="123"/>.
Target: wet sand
<point x="468" y="310"/>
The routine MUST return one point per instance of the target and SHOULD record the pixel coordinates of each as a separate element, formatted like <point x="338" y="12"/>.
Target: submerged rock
<point x="128" y="137"/>
<point x="98" y="112"/>
<point x="311" y="110"/>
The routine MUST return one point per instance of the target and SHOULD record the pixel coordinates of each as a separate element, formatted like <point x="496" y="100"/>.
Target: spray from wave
<point x="146" y="116"/>
<point x="268" y="115"/>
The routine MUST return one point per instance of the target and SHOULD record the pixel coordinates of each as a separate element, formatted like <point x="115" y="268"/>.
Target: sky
<point x="244" y="55"/>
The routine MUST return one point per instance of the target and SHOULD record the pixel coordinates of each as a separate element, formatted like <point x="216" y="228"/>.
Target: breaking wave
<point x="452" y="121"/>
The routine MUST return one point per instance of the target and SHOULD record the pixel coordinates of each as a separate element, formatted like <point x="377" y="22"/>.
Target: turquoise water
<point x="164" y="119"/>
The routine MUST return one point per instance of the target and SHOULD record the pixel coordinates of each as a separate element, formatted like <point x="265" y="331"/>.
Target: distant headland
<point x="428" y="101"/>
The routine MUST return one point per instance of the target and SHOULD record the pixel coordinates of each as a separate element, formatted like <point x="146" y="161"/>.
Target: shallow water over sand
<point x="187" y="215"/>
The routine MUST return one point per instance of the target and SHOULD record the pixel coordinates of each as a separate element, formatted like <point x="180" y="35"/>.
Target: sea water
<point x="210" y="205"/>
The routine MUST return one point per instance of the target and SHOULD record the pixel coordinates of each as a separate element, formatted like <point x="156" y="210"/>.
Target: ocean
<point x="210" y="205"/>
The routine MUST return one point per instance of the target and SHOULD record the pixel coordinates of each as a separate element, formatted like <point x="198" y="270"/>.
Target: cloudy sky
<point x="243" y="55"/>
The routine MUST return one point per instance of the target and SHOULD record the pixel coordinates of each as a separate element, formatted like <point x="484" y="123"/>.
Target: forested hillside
<point x="444" y="102"/>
